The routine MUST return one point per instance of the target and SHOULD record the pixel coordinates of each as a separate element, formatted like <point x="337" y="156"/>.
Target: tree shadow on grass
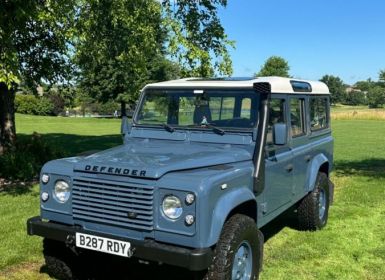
<point x="371" y="167"/>
<point x="105" y="267"/>
<point x="73" y="144"/>
<point x="16" y="188"/>
<point x="68" y="145"/>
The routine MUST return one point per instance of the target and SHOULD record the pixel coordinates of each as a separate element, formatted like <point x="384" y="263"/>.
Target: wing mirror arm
<point x="126" y="125"/>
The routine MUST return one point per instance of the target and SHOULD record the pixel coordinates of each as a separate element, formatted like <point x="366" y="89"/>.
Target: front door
<point x="279" y="162"/>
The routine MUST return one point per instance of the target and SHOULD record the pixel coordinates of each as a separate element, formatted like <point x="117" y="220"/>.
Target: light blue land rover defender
<point x="205" y="163"/>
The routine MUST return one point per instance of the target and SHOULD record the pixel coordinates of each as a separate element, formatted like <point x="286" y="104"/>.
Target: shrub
<point x="32" y="105"/>
<point x="25" y="160"/>
<point x="25" y="104"/>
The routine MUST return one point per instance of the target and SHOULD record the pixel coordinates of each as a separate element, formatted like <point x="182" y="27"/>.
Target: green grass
<point x="74" y="135"/>
<point x="352" y="246"/>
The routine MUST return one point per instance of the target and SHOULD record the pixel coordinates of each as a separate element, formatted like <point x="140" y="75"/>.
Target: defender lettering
<point x="115" y="170"/>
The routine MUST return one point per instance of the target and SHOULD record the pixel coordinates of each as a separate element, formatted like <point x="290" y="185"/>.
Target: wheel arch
<point x="320" y="163"/>
<point x="237" y="201"/>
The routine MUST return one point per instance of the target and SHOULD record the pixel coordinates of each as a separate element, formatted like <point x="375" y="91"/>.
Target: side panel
<point x="279" y="180"/>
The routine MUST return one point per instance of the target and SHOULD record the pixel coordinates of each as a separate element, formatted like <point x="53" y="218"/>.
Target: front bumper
<point x="192" y="259"/>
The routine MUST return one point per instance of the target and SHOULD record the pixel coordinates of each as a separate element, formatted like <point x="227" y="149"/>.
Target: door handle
<point x="308" y="158"/>
<point x="289" y="167"/>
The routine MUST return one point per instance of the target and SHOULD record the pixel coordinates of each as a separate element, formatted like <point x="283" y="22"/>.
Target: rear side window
<point x="297" y="122"/>
<point x="318" y="113"/>
<point x="276" y="115"/>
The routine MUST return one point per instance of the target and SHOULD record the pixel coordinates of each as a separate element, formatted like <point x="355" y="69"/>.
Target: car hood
<point x="154" y="158"/>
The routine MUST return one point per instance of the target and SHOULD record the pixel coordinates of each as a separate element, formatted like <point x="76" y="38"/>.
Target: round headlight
<point x="61" y="191"/>
<point x="172" y="207"/>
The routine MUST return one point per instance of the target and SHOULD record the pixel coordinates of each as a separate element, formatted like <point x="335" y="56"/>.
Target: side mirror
<point x="280" y="134"/>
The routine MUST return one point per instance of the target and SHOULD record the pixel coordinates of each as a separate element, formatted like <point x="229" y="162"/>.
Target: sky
<point x="345" y="38"/>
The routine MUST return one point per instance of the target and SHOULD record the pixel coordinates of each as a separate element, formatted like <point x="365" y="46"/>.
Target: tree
<point x="196" y="37"/>
<point x="382" y="76"/>
<point x="33" y="36"/>
<point x="364" y="85"/>
<point x="116" y="41"/>
<point x="376" y="97"/>
<point x="337" y="88"/>
<point x="274" y="66"/>
<point x="123" y="44"/>
<point x="355" y="97"/>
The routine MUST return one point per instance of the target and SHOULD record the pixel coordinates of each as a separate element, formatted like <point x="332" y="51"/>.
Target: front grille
<point x="111" y="203"/>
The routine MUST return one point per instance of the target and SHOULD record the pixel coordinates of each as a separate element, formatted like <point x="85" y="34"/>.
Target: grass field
<point x="352" y="246"/>
<point x="344" y="112"/>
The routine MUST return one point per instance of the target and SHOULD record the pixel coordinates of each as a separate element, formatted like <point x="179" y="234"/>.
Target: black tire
<point x="59" y="260"/>
<point x="238" y="229"/>
<point x="310" y="215"/>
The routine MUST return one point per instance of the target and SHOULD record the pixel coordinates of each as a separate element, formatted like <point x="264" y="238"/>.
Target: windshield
<point x="231" y="109"/>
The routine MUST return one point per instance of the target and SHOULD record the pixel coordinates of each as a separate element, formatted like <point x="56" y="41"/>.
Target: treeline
<point x="368" y="92"/>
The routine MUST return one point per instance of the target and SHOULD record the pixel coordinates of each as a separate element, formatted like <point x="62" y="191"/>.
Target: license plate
<point x="102" y="244"/>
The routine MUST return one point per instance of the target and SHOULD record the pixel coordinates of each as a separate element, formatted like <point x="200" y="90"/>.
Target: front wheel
<point x="238" y="253"/>
<point x="59" y="260"/>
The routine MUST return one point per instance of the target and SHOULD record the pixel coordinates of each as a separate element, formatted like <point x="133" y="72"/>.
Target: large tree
<point x="274" y="66"/>
<point x="196" y="37"/>
<point x="117" y="45"/>
<point x="124" y="43"/>
<point x="33" y="47"/>
<point x="117" y="40"/>
<point x="336" y="86"/>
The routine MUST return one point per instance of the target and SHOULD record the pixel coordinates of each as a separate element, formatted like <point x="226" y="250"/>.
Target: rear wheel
<point x="313" y="210"/>
<point x="238" y="254"/>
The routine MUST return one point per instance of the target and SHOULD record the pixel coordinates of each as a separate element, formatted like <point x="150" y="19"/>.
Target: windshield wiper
<point x="168" y="127"/>
<point x="217" y="130"/>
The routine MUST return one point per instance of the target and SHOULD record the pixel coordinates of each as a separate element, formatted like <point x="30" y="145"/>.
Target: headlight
<point x="172" y="207"/>
<point x="61" y="191"/>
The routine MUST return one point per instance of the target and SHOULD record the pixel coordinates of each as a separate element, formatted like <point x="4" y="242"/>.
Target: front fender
<point x="227" y="202"/>
<point x="316" y="163"/>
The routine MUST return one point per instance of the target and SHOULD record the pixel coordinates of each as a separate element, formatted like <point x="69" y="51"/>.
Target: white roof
<point x="278" y="84"/>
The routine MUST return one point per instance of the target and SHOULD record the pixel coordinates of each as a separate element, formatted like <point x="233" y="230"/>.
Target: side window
<point x="297" y="121"/>
<point x="276" y="115"/>
<point x="318" y="113"/>
<point x="222" y="108"/>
